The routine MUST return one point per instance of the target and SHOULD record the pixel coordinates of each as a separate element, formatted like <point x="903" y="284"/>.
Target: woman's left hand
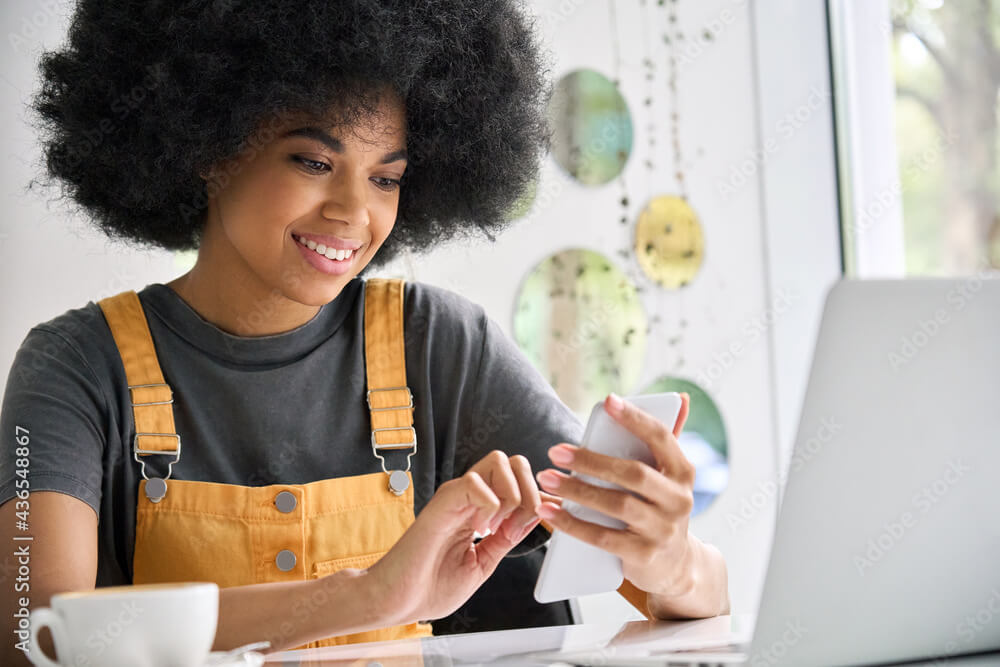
<point x="658" y="556"/>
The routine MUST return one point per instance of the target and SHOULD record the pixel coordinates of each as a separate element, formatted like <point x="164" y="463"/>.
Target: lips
<point x="330" y="241"/>
<point x="339" y="264"/>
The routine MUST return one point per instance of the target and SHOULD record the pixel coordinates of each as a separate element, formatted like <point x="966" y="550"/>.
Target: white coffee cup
<point x="149" y="625"/>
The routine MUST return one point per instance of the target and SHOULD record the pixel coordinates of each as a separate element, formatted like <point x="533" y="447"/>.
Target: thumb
<point x="497" y="545"/>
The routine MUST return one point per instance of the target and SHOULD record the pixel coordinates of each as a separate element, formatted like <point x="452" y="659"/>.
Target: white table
<point x="706" y="641"/>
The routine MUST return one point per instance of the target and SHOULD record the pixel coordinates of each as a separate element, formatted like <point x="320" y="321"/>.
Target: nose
<point x="348" y="199"/>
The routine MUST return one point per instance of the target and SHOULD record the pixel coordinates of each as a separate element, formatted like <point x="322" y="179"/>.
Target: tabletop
<point x="712" y="641"/>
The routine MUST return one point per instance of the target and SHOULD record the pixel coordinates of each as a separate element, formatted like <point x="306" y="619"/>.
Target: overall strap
<point x="152" y="399"/>
<point x="390" y="401"/>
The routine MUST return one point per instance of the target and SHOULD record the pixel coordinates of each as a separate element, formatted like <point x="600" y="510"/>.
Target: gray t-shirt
<point x="287" y="408"/>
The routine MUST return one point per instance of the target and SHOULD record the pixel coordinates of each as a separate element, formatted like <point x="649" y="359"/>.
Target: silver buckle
<point x="394" y="446"/>
<point x="368" y="398"/>
<point x="176" y="453"/>
<point x="157" y="384"/>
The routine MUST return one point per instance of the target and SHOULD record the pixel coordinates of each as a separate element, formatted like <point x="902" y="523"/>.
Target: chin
<point x="320" y="294"/>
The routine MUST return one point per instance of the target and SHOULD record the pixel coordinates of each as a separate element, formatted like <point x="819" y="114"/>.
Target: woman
<point x="295" y="145"/>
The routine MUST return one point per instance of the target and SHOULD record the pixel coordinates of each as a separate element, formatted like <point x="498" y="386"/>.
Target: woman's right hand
<point x="436" y="565"/>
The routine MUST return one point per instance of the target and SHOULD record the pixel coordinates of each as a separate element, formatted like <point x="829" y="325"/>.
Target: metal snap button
<point x="285" y="560"/>
<point x="285" y="501"/>
<point x="398" y="482"/>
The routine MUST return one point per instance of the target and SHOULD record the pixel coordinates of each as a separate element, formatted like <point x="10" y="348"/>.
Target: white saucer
<point x="249" y="659"/>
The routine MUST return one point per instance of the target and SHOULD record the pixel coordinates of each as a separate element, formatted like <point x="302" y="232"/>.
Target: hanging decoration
<point x="592" y="127"/>
<point x="703" y="440"/>
<point x="580" y="321"/>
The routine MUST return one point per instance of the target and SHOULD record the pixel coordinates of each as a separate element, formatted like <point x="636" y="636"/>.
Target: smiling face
<point x="300" y="215"/>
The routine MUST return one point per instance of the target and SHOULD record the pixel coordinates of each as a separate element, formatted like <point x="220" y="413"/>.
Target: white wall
<point x="799" y="186"/>
<point x="728" y="300"/>
<point x="50" y="262"/>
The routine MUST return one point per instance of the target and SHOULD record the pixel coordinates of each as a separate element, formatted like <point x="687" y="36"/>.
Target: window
<point x="917" y="119"/>
<point x="946" y="67"/>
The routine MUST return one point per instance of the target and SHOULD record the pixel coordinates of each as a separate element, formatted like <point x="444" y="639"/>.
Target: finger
<point x="530" y="496"/>
<point x="658" y="436"/>
<point x="626" y="545"/>
<point x="667" y="499"/>
<point x="631" y="475"/>
<point x="550" y="498"/>
<point x="640" y="515"/>
<point x="493" y="548"/>
<point x="496" y="470"/>
<point x="682" y="416"/>
<point x="478" y="496"/>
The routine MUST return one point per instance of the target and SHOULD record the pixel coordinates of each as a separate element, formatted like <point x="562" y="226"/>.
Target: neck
<point x="226" y="293"/>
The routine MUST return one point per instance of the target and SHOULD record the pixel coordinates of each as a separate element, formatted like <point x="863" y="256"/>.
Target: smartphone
<point x="573" y="568"/>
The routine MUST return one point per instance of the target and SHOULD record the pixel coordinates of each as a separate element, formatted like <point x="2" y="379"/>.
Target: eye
<point x="387" y="184"/>
<point x="312" y="166"/>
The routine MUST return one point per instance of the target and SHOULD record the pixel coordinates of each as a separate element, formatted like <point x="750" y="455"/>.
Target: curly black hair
<point x="146" y="95"/>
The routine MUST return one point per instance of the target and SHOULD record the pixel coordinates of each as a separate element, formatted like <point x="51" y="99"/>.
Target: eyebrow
<point x="335" y="145"/>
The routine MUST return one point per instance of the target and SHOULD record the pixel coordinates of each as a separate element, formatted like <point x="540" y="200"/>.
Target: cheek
<point x="383" y="218"/>
<point x="259" y="209"/>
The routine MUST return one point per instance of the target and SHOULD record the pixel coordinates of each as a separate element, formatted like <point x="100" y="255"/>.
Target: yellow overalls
<point x="282" y="532"/>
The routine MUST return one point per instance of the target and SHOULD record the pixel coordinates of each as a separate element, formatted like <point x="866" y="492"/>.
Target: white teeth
<point x="329" y="253"/>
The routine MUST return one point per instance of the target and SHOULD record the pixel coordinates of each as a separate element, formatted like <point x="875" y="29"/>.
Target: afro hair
<point x="145" y="96"/>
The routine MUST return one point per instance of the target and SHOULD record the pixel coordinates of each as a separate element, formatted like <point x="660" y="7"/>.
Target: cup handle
<point x="39" y="619"/>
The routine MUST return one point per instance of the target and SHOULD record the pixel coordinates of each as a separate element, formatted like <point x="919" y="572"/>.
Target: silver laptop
<point x="887" y="546"/>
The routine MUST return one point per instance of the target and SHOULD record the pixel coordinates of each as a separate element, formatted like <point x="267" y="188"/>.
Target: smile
<point x="329" y="253"/>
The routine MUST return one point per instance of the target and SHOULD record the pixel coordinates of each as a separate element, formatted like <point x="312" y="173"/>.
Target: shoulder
<point x="443" y="321"/>
<point x="76" y="342"/>
<point x="429" y="308"/>
<point x="76" y="332"/>
<point x="433" y="301"/>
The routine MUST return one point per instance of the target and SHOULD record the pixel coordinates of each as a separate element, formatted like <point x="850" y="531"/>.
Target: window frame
<point x="867" y="159"/>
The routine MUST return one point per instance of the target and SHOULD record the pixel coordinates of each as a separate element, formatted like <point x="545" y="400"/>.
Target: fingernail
<point x="530" y="526"/>
<point x="548" y="479"/>
<point x="547" y="511"/>
<point x="615" y="403"/>
<point x="561" y="455"/>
